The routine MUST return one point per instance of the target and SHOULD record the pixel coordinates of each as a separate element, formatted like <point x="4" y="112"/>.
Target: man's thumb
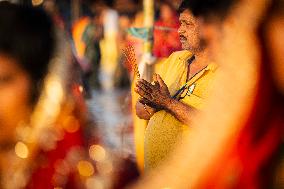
<point x="160" y="80"/>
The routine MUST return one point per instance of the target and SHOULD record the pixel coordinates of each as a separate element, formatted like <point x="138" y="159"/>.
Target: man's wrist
<point x="145" y="108"/>
<point x="168" y="103"/>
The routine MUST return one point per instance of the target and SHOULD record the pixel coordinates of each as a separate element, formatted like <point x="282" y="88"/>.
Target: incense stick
<point x="130" y="56"/>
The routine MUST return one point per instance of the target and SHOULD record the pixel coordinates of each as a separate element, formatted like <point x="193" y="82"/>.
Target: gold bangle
<point x="146" y="110"/>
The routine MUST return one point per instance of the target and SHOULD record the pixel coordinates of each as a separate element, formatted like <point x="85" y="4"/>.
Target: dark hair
<point x="27" y="35"/>
<point x="207" y="8"/>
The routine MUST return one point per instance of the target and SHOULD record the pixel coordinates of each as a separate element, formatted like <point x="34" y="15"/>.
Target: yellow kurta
<point x="164" y="131"/>
<point x="140" y="124"/>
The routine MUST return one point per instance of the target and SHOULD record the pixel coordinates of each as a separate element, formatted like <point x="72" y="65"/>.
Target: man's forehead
<point x="186" y="15"/>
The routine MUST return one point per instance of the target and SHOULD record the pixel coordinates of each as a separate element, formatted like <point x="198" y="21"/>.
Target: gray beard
<point x="200" y="48"/>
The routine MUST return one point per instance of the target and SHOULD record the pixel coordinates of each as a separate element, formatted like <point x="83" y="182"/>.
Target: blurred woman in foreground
<point x="40" y="124"/>
<point x="43" y="113"/>
<point x="41" y="143"/>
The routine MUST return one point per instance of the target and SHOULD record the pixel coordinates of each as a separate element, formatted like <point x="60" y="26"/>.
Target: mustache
<point x="181" y="37"/>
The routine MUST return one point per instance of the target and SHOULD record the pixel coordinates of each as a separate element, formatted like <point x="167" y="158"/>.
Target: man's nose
<point x="180" y="30"/>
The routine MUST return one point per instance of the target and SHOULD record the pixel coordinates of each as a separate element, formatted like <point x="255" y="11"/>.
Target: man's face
<point x="15" y="99"/>
<point x="189" y="32"/>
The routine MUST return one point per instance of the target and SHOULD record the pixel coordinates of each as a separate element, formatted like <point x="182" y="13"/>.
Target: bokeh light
<point x="94" y="183"/>
<point x="85" y="168"/>
<point x="97" y="153"/>
<point x="21" y="150"/>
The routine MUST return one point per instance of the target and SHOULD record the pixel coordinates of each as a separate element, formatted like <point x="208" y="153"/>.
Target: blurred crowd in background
<point x="67" y="100"/>
<point x="62" y="142"/>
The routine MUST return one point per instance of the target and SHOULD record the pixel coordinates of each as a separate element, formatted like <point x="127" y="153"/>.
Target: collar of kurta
<point x="210" y="67"/>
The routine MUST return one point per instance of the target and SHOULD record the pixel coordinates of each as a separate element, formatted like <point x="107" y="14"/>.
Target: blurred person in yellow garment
<point x="178" y="92"/>
<point x="108" y="44"/>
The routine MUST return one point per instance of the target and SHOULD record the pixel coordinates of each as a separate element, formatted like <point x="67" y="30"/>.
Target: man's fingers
<point x="139" y="91"/>
<point x="156" y="83"/>
<point x="141" y="84"/>
<point x="160" y="80"/>
<point x="148" y="86"/>
<point x="155" y="77"/>
<point x="144" y="101"/>
<point x="146" y="83"/>
<point x="142" y="89"/>
<point x="143" y="93"/>
<point x="147" y="102"/>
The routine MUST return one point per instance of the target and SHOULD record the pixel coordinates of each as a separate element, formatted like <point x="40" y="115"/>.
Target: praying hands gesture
<point x="156" y="97"/>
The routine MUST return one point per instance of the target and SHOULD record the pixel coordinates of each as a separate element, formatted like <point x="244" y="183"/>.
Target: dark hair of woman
<point x="27" y="35"/>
